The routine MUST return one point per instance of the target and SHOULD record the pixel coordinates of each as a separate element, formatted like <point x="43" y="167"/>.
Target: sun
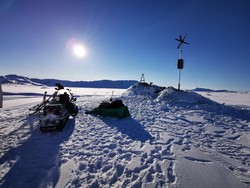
<point x="76" y="48"/>
<point x="79" y="50"/>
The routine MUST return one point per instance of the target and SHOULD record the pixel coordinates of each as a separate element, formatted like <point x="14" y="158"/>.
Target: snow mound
<point x="189" y="100"/>
<point x="168" y="95"/>
<point x="176" y="97"/>
<point x="143" y="89"/>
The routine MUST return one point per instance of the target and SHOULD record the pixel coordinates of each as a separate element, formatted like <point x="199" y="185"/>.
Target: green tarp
<point x="121" y="112"/>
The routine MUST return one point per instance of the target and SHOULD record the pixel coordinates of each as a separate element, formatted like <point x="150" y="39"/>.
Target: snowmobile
<point x="111" y="109"/>
<point x="55" y="111"/>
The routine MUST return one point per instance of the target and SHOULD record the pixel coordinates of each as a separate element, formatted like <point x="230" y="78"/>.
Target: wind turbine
<point x="180" y="62"/>
<point x="181" y="40"/>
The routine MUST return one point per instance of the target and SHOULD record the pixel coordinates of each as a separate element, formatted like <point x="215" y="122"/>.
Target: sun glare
<point x="76" y="47"/>
<point x="79" y="50"/>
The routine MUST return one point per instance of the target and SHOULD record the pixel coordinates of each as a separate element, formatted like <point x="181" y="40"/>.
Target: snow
<point x="172" y="139"/>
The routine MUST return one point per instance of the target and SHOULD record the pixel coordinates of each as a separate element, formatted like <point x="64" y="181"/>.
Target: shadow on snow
<point x="37" y="159"/>
<point x="130" y="127"/>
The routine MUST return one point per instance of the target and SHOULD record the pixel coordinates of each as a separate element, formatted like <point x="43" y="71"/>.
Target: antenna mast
<point x="142" y="79"/>
<point x="180" y="62"/>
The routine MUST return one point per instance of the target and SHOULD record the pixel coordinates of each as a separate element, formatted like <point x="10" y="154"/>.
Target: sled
<point x="114" y="109"/>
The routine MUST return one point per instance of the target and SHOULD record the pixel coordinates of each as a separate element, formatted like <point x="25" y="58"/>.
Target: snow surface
<point x="172" y="139"/>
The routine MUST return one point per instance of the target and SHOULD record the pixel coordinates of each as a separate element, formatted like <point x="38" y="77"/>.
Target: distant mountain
<point x="15" y="79"/>
<point x="209" y="90"/>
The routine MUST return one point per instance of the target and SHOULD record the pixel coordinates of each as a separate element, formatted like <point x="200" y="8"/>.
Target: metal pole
<point x="1" y="96"/>
<point x="181" y="52"/>
<point x="44" y="96"/>
<point x="179" y="84"/>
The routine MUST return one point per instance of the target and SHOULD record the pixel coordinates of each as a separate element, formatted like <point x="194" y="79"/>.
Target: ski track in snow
<point x="144" y="150"/>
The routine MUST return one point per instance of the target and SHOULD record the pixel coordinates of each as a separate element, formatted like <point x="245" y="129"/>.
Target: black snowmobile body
<point x="54" y="117"/>
<point x="56" y="110"/>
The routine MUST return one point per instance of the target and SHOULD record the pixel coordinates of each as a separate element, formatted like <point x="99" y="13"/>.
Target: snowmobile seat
<point x="55" y="108"/>
<point x="63" y="98"/>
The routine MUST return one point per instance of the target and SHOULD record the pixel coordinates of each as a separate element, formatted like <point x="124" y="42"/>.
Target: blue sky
<point x="125" y="38"/>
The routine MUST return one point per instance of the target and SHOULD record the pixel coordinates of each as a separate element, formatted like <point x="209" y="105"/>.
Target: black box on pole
<point x="180" y="64"/>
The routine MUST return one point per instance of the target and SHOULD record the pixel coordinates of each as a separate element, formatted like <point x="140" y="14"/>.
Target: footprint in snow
<point x="170" y="173"/>
<point x="197" y="160"/>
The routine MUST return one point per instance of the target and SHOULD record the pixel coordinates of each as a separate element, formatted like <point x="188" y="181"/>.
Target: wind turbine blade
<point x="179" y="46"/>
<point x="185" y="36"/>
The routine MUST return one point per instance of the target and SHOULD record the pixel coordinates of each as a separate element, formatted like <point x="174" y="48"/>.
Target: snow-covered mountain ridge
<point x="210" y="90"/>
<point x="21" y="80"/>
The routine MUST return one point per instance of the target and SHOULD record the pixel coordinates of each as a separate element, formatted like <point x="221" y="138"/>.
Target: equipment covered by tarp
<point x="111" y="109"/>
